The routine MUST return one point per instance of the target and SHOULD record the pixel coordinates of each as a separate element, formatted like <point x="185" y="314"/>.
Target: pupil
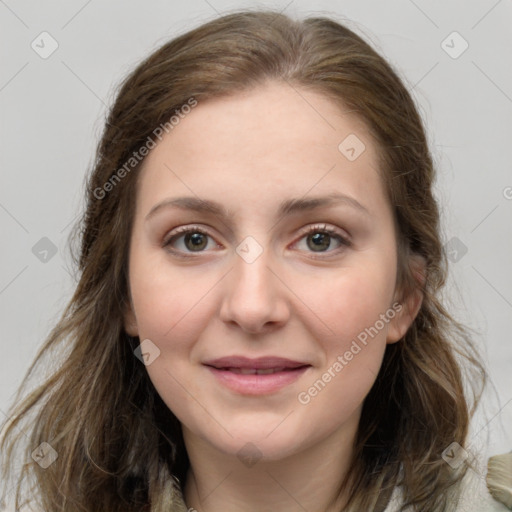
<point x="198" y="241"/>
<point x="320" y="241"/>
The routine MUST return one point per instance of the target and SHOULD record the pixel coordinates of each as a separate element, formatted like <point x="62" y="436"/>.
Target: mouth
<point x="264" y="375"/>
<point x="256" y="371"/>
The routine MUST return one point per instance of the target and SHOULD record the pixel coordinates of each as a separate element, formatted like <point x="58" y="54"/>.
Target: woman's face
<point x="262" y="270"/>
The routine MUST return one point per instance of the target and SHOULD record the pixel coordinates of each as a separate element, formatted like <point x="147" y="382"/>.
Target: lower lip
<point x="257" y="384"/>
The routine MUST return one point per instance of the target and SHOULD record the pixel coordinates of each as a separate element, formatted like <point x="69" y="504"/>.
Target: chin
<point x="258" y="443"/>
<point x="249" y="451"/>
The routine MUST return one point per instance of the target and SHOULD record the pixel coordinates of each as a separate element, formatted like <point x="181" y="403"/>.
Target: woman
<point x="257" y="323"/>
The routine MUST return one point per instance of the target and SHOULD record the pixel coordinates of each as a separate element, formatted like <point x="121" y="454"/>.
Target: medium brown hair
<point x="117" y="442"/>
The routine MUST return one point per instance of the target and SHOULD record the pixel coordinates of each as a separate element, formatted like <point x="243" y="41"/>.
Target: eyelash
<point x="318" y="228"/>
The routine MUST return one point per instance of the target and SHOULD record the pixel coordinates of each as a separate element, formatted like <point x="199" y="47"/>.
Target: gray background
<point x="52" y="112"/>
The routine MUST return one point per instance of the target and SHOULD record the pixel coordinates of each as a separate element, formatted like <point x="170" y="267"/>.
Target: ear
<point x="130" y="322"/>
<point x="410" y="300"/>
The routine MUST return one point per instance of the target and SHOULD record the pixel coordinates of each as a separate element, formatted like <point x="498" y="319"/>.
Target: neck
<point x="307" y="480"/>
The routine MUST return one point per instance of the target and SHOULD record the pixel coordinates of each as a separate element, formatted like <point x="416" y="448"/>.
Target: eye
<point x="189" y="239"/>
<point x="321" y="238"/>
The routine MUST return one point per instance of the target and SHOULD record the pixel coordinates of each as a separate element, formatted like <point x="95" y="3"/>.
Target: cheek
<point x="170" y="304"/>
<point x="358" y="310"/>
<point x="356" y="307"/>
<point x="347" y="303"/>
<point x="352" y="357"/>
<point x="334" y="397"/>
<point x="172" y="309"/>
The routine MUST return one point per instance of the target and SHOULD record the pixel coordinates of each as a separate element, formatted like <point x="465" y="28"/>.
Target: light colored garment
<point x="475" y="496"/>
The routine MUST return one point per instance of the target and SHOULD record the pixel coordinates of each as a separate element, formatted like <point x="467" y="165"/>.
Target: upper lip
<point x="260" y="363"/>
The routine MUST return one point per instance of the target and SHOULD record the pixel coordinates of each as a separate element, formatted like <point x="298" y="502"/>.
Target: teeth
<point x="254" y="371"/>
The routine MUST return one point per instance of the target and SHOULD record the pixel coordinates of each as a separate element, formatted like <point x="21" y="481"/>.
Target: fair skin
<point x="304" y="298"/>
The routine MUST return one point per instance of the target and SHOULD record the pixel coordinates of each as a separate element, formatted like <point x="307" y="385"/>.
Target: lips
<point x="263" y="375"/>
<point x="261" y="363"/>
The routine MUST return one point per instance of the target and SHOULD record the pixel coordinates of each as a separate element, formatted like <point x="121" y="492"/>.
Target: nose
<point x="255" y="297"/>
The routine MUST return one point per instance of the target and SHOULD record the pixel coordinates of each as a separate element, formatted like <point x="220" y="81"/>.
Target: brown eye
<point x="189" y="239"/>
<point x="323" y="239"/>
<point x="319" y="241"/>
<point x="195" y="241"/>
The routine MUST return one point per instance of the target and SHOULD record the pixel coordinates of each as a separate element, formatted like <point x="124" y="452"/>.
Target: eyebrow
<point x="287" y="207"/>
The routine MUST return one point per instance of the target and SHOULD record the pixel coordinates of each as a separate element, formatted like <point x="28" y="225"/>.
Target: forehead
<point x="263" y="142"/>
<point x="270" y="115"/>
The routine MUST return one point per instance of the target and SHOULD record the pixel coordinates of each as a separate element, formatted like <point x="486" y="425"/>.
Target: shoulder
<point x="474" y="496"/>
